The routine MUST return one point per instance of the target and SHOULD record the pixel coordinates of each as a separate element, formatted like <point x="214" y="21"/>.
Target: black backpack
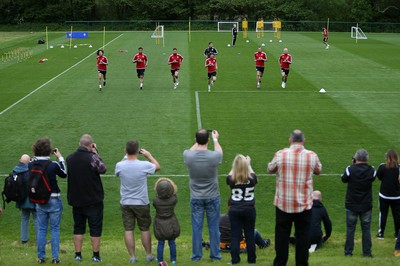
<point x="39" y="189"/>
<point x="15" y="188"/>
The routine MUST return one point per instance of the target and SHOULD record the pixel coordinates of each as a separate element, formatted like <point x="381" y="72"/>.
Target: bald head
<point x="25" y="158"/>
<point x="317" y="195"/>
<point x="86" y="141"/>
<point x="296" y="136"/>
<point x="285" y="50"/>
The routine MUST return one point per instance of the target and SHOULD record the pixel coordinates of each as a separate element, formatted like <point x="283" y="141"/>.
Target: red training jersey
<point x="285" y="60"/>
<point x="325" y="33"/>
<point x="260" y="58"/>
<point x="211" y="64"/>
<point x="175" y="60"/>
<point x="102" y="62"/>
<point x="140" y="60"/>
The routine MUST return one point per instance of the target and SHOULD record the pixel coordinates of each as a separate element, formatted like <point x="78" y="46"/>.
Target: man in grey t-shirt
<point x="202" y="164"/>
<point x="135" y="205"/>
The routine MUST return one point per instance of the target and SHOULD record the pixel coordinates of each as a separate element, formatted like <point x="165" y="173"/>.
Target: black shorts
<point x="103" y="72"/>
<point x="140" y="72"/>
<point x="173" y="71"/>
<point x="212" y="74"/>
<point x="285" y="70"/>
<point x="260" y="69"/>
<point x="93" y="214"/>
<point x="325" y="39"/>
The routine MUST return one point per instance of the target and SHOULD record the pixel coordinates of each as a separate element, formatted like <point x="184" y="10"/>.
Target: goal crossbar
<point x="226" y="26"/>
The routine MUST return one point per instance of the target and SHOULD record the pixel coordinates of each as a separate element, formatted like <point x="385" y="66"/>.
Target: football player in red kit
<point x="141" y="61"/>
<point x="260" y="57"/>
<point x="285" y="60"/>
<point x="211" y="65"/>
<point x="175" y="60"/>
<point x="102" y="63"/>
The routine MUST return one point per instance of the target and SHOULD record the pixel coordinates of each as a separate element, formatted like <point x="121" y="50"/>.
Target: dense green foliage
<point x="45" y="11"/>
<point x="360" y="109"/>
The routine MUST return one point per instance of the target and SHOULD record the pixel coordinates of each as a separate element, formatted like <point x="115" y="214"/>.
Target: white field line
<point x="54" y="78"/>
<point x="198" y="110"/>
<point x="327" y="92"/>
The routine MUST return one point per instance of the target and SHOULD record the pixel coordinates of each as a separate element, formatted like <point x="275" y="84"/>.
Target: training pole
<point x="104" y="37"/>
<point x="190" y="37"/>
<point x="47" y="39"/>
<point x="357" y="33"/>
<point x="327" y="25"/>
<point x="70" y="39"/>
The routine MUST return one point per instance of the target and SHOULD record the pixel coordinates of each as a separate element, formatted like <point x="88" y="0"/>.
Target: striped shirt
<point x="294" y="167"/>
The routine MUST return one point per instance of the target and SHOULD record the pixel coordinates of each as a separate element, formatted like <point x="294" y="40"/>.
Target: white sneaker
<point x="177" y="82"/>
<point x="258" y="85"/>
<point x="283" y="84"/>
<point x="175" y="85"/>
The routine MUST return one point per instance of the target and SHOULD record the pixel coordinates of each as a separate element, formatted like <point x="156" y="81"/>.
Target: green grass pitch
<point x="60" y="99"/>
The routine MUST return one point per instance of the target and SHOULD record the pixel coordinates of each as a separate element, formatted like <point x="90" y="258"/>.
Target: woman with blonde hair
<point x="242" y="212"/>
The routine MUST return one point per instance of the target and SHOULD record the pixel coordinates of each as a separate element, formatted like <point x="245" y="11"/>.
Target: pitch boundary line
<point x="336" y="92"/>
<point x="54" y="78"/>
<point x="198" y="110"/>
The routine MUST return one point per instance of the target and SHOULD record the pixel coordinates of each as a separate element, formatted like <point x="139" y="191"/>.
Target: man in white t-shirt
<point x="135" y="204"/>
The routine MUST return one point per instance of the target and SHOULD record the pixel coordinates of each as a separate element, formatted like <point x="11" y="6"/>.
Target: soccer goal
<point x="158" y="34"/>
<point x="226" y="26"/>
<point x="357" y="33"/>
<point x="267" y="26"/>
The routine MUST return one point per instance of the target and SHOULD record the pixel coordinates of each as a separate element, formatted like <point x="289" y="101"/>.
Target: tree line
<point x="58" y="11"/>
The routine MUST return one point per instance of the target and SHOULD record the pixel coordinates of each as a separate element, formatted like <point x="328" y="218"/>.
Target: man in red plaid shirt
<point x="294" y="167"/>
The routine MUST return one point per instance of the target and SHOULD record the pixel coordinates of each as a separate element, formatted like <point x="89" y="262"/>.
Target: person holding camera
<point x="202" y="164"/>
<point x="49" y="213"/>
<point x="135" y="204"/>
<point x="359" y="178"/>
<point x="86" y="194"/>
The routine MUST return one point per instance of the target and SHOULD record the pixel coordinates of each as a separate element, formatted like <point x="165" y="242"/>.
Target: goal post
<point x="158" y="34"/>
<point x="226" y="26"/>
<point x="357" y="33"/>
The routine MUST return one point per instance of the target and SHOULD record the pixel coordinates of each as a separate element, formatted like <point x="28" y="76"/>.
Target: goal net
<point x="357" y="33"/>
<point x="226" y="26"/>
<point x="267" y="26"/>
<point x="158" y="33"/>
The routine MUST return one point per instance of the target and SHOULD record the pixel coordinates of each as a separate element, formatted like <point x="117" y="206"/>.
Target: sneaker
<point x="327" y="47"/>
<point x="100" y="88"/>
<point x="141" y="86"/>
<point x="397" y="253"/>
<point x="258" y="85"/>
<point x="78" y="258"/>
<point x="174" y="262"/>
<point x="23" y="242"/>
<point x="96" y="259"/>
<point x="380" y="236"/>
<point x="150" y="258"/>
<point x="267" y="242"/>
<point x="283" y="84"/>
<point x="175" y="86"/>
<point x="40" y="261"/>
<point x="132" y="260"/>
<point x="55" y="261"/>
<point x="177" y="82"/>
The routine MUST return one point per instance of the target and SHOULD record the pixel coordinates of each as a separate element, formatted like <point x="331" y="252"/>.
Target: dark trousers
<point x="242" y="220"/>
<point x="283" y="227"/>
<point x="233" y="40"/>
<point x="384" y="205"/>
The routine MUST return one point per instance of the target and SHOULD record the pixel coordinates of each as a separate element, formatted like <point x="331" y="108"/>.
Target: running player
<point x="325" y="40"/>
<point x="102" y="63"/>
<point x="260" y="57"/>
<point x="175" y="60"/>
<point x="141" y="61"/>
<point x="212" y="67"/>
<point x="285" y="60"/>
<point x="210" y="49"/>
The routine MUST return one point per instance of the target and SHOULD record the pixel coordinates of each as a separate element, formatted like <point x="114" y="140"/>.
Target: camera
<point x="210" y="130"/>
<point x="55" y="150"/>
<point x="140" y="151"/>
